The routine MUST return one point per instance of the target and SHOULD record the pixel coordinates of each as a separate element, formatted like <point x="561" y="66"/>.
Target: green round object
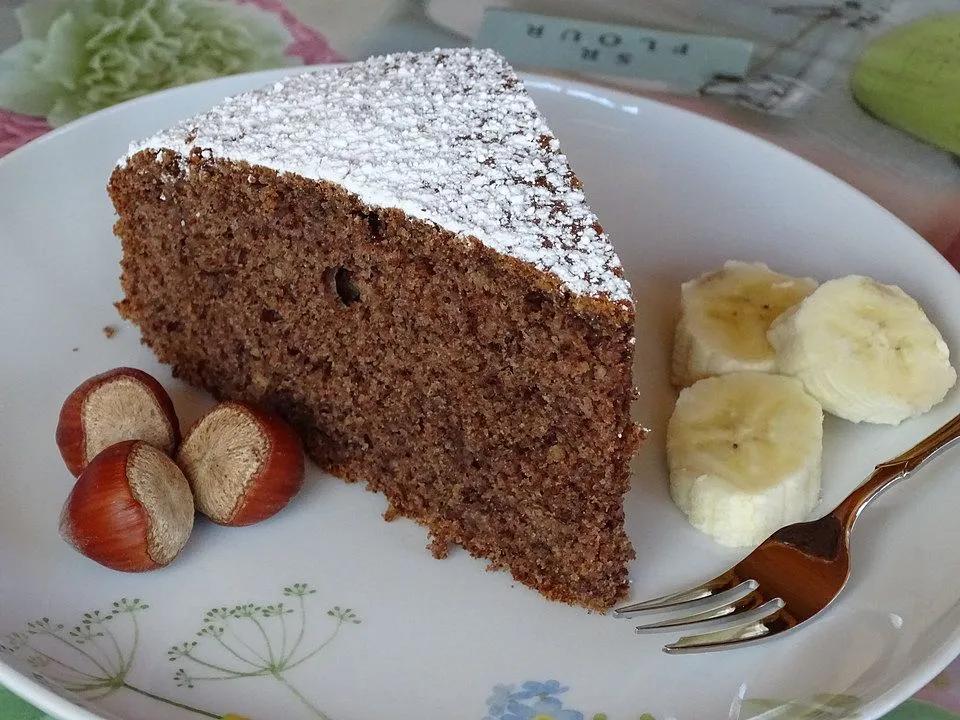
<point x="910" y="78"/>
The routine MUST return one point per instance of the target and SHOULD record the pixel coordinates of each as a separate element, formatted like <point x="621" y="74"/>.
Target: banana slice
<point x="724" y="318"/>
<point x="744" y="452"/>
<point x="865" y="350"/>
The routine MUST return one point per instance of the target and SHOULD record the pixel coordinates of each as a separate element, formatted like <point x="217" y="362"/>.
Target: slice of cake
<point x="396" y="256"/>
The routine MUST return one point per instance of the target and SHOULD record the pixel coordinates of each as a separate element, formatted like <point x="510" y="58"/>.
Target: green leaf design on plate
<point x="92" y="659"/>
<point x="257" y="641"/>
<point x="910" y="78"/>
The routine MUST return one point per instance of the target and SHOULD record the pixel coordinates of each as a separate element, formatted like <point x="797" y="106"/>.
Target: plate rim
<point x="55" y="705"/>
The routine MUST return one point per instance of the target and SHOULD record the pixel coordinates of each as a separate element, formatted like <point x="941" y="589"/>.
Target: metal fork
<point x="791" y="577"/>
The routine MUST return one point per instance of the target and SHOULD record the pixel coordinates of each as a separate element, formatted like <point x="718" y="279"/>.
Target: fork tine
<point x="746" y="611"/>
<point x="737" y="637"/>
<point x="778" y="622"/>
<point x="721" y="590"/>
<point x="747" y="602"/>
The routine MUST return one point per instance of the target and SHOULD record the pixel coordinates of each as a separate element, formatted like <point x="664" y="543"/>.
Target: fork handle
<point x="889" y="473"/>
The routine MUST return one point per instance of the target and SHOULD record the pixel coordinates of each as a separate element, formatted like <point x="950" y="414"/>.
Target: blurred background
<point x="867" y="89"/>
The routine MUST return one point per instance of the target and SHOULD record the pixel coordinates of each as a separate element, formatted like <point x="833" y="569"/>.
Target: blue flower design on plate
<point x="497" y="702"/>
<point x="533" y="700"/>
<point x="532" y="688"/>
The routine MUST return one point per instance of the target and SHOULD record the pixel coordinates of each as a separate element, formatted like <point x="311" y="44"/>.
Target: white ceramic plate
<point x="426" y="638"/>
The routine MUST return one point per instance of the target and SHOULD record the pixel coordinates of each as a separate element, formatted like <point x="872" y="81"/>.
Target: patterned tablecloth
<point x="60" y="59"/>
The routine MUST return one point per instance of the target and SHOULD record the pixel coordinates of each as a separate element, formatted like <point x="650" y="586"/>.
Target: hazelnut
<point x="243" y="463"/>
<point x="130" y="510"/>
<point x="121" y="404"/>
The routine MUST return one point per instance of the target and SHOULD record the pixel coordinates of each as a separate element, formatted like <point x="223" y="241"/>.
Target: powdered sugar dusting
<point x="448" y="136"/>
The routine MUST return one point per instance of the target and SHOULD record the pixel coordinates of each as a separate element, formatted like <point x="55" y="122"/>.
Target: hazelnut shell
<point x="130" y="510"/>
<point x="243" y="463"/>
<point x="120" y="404"/>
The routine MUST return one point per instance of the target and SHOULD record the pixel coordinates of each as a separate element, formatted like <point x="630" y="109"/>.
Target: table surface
<point x="916" y="181"/>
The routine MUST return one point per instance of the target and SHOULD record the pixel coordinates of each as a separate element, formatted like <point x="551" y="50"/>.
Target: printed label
<point x="682" y="60"/>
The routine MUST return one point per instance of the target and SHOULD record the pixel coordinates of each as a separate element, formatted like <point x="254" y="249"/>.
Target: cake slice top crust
<point x="449" y="136"/>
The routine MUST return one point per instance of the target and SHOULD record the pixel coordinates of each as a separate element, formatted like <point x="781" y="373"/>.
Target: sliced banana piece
<point x="724" y="318"/>
<point x="865" y="350"/>
<point x="744" y="453"/>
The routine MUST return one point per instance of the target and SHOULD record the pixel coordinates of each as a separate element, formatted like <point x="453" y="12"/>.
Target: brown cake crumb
<point x="109" y="331"/>
<point x="439" y="546"/>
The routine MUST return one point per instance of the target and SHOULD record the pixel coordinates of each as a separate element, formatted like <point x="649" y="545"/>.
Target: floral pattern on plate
<point x="535" y="700"/>
<point x="272" y="646"/>
<point x="95" y="657"/>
